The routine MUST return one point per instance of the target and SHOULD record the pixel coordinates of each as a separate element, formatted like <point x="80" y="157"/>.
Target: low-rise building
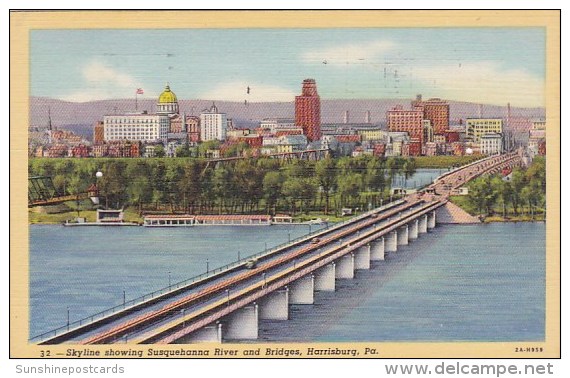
<point x="80" y="151"/>
<point x="57" y="151"/>
<point x="458" y="148"/>
<point x="193" y="129"/>
<point x="275" y="124"/>
<point x="491" y="144"/>
<point x="100" y="150"/>
<point x="292" y="143"/>
<point x="237" y="133"/>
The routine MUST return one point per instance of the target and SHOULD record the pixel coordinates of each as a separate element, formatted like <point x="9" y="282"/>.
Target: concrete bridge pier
<point x="302" y="290"/>
<point x="242" y="324"/>
<point x="345" y="266"/>
<point x="413" y="230"/>
<point x="377" y="249"/>
<point x="325" y="278"/>
<point x="209" y="334"/>
<point x="403" y="235"/>
<point x="275" y="305"/>
<point x="431" y="220"/>
<point x="362" y="257"/>
<point x="422" y="226"/>
<point x="391" y="242"/>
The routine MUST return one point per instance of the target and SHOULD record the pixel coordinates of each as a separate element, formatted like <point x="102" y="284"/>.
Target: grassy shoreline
<point x="133" y="216"/>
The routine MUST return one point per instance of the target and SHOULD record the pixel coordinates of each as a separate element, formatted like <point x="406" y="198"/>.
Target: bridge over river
<point x="227" y="303"/>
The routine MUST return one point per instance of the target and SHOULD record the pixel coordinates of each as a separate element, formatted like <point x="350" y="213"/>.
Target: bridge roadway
<point x="269" y="276"/>
<point x="183" y="311"/>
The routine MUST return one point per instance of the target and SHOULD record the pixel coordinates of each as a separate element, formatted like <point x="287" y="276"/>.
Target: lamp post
<point x="239" y="258"/>
<point x="124" y="298"/>
<point x="264" y="280"/>
<point x="228" y="296"/>
<point x="68" y="318"/>
<point x="169" y="280"/>
<point x="207" y="266"/>
<point x="99" y="175"/>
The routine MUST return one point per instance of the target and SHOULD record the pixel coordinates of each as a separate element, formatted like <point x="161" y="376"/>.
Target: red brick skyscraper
<point x="436" y="110"/>
<point x="308" y="110"/>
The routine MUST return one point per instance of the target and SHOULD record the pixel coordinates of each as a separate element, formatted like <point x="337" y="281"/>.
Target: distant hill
<point x="80" y="117"/>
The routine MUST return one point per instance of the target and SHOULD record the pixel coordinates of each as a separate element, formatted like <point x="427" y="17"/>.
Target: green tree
<point x="272" y="185"/>
<point x="349" y="187"/>
<point x="222" y="183"/>
<point x="326" y="174"/>
<point x="190" y="186"/>
<point x="159" y="151"/>
<point x="518" y="182"/>
<point x="290" y="190"/>
<point x="183" y="151"/>
<point x="408" y="169"/>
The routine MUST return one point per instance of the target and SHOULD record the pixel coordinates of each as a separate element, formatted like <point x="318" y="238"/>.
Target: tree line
<point x="246" y="186"/>
<point x="523" y="192"/>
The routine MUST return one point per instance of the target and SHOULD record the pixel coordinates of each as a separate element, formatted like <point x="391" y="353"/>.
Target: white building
<point x="275" y="124"/>
<point x="271" y="141"/>
<point x="491" y="144"/>
<point x="136" y="127"/>
<point x="213" y="124"/>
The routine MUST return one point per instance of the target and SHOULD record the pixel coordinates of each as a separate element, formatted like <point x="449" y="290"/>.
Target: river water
<point x="482" y="282"/>
<point x="468" y="282"/>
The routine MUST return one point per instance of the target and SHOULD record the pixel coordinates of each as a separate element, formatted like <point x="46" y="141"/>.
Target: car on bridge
<point x="251" y="264"/>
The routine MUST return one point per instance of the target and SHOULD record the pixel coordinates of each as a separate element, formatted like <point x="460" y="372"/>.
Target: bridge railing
<point x="211" y="273"/>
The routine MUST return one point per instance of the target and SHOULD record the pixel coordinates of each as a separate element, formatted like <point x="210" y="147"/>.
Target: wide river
<point x="482" y="282"/>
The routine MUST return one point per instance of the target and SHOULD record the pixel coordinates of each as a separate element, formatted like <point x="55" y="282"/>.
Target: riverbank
<point x="444" y="161"/>
<point x="131" y="215"/>
<point x="40" y="217"/>
<point x="497" y="216"/>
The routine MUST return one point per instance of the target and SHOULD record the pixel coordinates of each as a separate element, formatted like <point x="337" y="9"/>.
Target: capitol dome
<point x="167" y="96"/>
<point x="167" y="102"/>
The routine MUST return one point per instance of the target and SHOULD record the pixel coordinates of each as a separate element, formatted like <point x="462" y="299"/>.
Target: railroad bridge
<point x="227" y="304"/>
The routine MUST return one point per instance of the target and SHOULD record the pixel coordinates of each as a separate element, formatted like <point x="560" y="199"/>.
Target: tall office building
<point x="308" y="110"/>
<point x="213" y="124"/>
<point x="436" y="111"/>
<point x="410" y="121"/>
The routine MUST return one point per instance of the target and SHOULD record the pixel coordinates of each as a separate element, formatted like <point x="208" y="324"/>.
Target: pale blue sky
<point x="488" y="65"/>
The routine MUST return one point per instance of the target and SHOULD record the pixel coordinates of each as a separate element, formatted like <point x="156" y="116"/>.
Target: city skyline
<point x="490" y="65"/>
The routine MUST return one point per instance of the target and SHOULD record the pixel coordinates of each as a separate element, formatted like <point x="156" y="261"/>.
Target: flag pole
<point x="136" y="100"/>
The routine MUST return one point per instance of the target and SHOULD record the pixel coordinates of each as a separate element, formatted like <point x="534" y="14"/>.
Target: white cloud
<point x="103" y="82"/>
<point x="353" y="53"/>
<point x="484" y="82"/>
<point x="237" y="91"/>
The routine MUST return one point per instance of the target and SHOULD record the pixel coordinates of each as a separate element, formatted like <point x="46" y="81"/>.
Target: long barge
<point x="186" y="220"/>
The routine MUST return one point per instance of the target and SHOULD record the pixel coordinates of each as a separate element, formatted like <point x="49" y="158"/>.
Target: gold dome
<point x="167" y="96"/>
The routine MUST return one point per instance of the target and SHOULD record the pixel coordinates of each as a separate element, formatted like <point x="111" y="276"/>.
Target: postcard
<point x="285" y="184"/>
